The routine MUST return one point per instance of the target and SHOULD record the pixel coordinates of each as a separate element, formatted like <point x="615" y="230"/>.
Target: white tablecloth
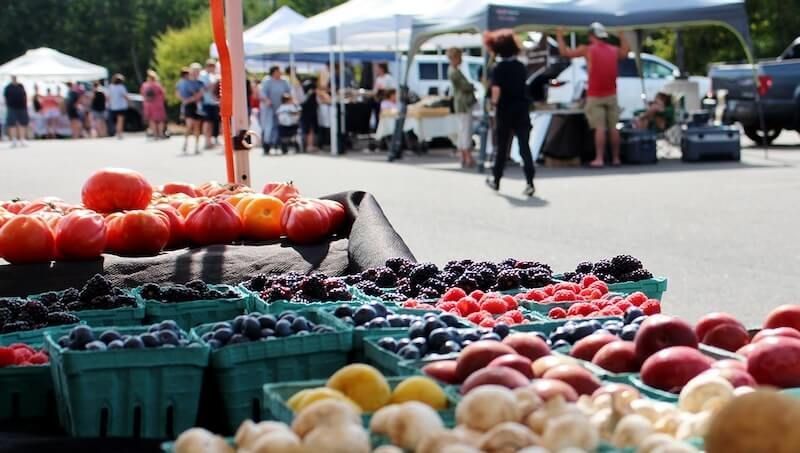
<point x="425" y="128"/>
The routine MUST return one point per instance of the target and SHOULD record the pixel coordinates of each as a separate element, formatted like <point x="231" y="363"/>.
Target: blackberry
<point x="534" y="278"/>
<point x="69" y="295"/>
<point x="60" y="318"/>
<point x="36" y="310"/>
<point x="568" y="276"/>
<point x="385" y="278"/>
<point x="486" y="277"/>
<point x="56" y="307"/>
<point x="96" y="286"/>
<point x="5" y="315"/>
<point x="406" y="290"/>
<point x="300" y="298"/>
<point x="198" y="285"/>
<point x="577" y="278"/>
<point x="507" y="279"/>
<point x="455" y="267"/>
<point x="396" y="263"/>
<point x="369" y="288"/>
<point x="16" y="326"/>
<point x="313" y="286"/>
<point x="429" y="293"/>
<point x="276" y="292"/>
<point x="49" y="298"/>
<point x="608" y="278"/>
<point x="352" y="279"/>
<point x="370" y="274"/>
<point x="13" y="304"/>
<point x="603" y="267"/>
<point x="449" y="278"/>
<point x="636" y="275"/>
<point x="334" y="283"/>
<point x="178" y="293"/>
<point x="508" y="263"/>
<point x="339" y="294"/>
<point x="405" y="271"/>
<point x="543" y="266"/>
<point x="151" y="291"/>
<point x="625" y="264"/>
<point x="123" y="301"/>
<point x="436" y="284"/>
<point x="256" y="283"/>
<point x="584" y="267"/>
<point x="466" y="282"/>
<point x="422" y="272"/>
<point x="101" y="303"/>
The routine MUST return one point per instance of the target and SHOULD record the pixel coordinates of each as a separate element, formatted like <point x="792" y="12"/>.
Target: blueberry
<point x="96" y="345"/>
<point x="613" y="329"/>
<point x="561" y="344"/>
<point x="409" y="352"/>
<point x="438" y="338"/>
<point x="323" y="329"/>
<point x="221" y="325"/>
<point x="629" y="332"/>
<point x="640" y="319"/>
<point x="289" y="315"/>
<point x="632" y="313"/>
<point x="208" y="335"/>
<point x="80" y="336"/>
<point x="466" y="343"/>
<point x="153" y="328"/>
<point x="455" y="335"/>
<point x="169" y="325"/>
<point x="403" y="342"/>
<point x="300" y="324"/>
<point x="239" y="338"/>
<point x="63" y="341"/>
<point x="364" y="315"/>
<point x="116" y="344"/>
<point x="238" y="323"/>
<point x="583" y="330"/>
<point x="560" y="333"/>
<point x="501" y="329"/>
<point x="432" y="325"/>
<point x="595" y="324"/>
<point x="150" y="340"/>
<point x="408" y="319"/>
<point x="267" y="321"/>
<point x="378" y="323"/>
<point x="421" y="344"/>
<point x="215" y="344"/>
<point x="395" y="321"/>
<point x="168" y="337"/>
<point x="612" y="323"/>
<point x="388" y="343"/>
<point x="416" y="330"/>
<point x="109" y="335"/>
<point x="133" y="342"/>
<point x="266" y="333"/>
<point x="380" y="309"/>
<point x="430" y="317"/>
<point x="449" y="319"/>
<point x="541" y="335"/>
<point x="471" y="335"/>
<point x="348" y="320"/>
<point x="491" y="336"/>
<point x="360" y="328"/>
<point x="343" y="311"/>
<point x="184" y="342"/>
<point x="302" y="333"/>
<point x="449" y="346"/>
<point x="283" y="328"/>
<point x="251" y="328"/>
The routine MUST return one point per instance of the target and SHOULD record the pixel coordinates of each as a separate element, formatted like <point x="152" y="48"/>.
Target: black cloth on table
<point x="568" y="136"/>
<point x="366" y="240"/>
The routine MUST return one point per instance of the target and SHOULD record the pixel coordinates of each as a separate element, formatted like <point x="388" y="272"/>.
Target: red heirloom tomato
<point x="179" y="187"/>
<point x="81" y="235"/>
<point x="336" y="211"/>
<point x="213" y="222"/>
<point x="177" y="225"/>
<point x="305" y="221"/>
<point x="283" y="191"/>
<point x="5" y="216"/>
<point x="15" y="205"/>
<point x="116" y="189"/>
<point x="141" y="232"/>
<point x="26" y="239"/>
<point x="216" y="189"/>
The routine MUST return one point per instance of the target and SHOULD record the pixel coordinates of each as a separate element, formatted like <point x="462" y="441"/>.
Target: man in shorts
<point x="17" y="112"/>
<point x="190" y="92"/>
<point x="602" y="109"/>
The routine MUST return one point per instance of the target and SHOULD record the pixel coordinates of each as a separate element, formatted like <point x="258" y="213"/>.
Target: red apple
<point x="711" y="320"/>
<point x="500" y="375"/>
<point x="478" y="355"/>
<point x="578" y="377"/>
<point x="671" y="368"/>
<point x="729" y="337"/>
<point x="746" y="350"/>
<point x="618" y="357"/>
<point x="776" y="332"/>
<point x="528" y="345"/>
<point x="516" y="362"/>
<point x="737" y="377"/>
<point x="776" y="361"/>
<point x="659" y="332"/>
<point x="784" y="316"/>
<point x="729" y="363"/>
<point x="548" y="388"/>
<point x="444" y="370"/>
<point x="587" y="347"/>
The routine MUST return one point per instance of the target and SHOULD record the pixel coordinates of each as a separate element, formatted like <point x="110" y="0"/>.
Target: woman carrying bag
<point x="463" y="102"/>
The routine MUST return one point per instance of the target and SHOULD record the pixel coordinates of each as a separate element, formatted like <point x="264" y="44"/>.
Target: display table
<point x="367" y="240"/>
<point x="426" y="126"/>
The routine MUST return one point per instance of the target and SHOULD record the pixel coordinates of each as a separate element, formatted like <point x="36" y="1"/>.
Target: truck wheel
<point x="758" y="136"/>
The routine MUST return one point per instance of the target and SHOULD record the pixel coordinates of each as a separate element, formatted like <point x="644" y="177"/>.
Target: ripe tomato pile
<point x="121" y="212"/>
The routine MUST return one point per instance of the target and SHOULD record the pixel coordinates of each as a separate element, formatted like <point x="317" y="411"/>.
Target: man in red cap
<point x="602" y="109"/>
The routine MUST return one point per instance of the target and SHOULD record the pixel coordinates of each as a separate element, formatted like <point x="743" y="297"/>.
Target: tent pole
<point x="395" y="147"/>
<point x="342" y="74"/>
<point x="639" y="65"/>
<point x="484" y="125"/>
<point x="332" y="114"/>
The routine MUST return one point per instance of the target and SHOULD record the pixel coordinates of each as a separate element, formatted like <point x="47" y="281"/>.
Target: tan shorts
<point x="602" y="113"/>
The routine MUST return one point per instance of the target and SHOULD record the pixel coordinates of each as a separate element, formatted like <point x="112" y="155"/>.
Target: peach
<point x="516" y="362"/>
<point x="528" y="345"/>
<point x="478" y="355"/>
<point x="587" y="347"/>
<point x="576" y="376"/>
<point x="618" y="357"/>
<point x="500" y="375"/>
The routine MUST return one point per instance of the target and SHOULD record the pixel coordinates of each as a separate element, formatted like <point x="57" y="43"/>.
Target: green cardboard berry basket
<point x="654" y="287"/>
<point x="240" y="370"/>
<point x="390" y="363"/>
<point x="123" y="316"/>
<point x="148" y="393"/>
<point x="277" y="395"/>
<point x="193" y="313"/>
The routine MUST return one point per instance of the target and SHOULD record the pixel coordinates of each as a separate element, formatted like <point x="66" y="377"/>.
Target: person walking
<point x="118" y="103"/>
<point x="511" y="104"/>
<point x="463" y="102"/>
<point x="98" y="110"/>
<point x="190" y="92"/>
<point x="273" y="87"/>
<point x="383" y="80"/>
<point x="153" y="105"/>
<point x="210" y="101"/>
<point x="16" y="112"/>
<point x="71" y="103"/>
<point x="602" y="108"/>
<point x="309" y="121"/>
<point x="51" y="112"/>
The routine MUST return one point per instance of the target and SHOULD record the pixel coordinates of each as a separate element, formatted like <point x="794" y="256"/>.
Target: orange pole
<point x="226" y="85"/>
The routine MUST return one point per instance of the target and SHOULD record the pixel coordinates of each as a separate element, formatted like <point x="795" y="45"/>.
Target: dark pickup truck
<point x="778" y="83"/>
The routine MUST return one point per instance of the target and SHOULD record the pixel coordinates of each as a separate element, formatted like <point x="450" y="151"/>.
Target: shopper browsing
<point x="463" y="102"/>
<point x="118" y="103"/>
<point x="602" y="108"/>
<point x="17" y="112"/>
<point x="190" y="91"/>
<point x="288" y="120"/>
<point x="210" y="101"/>
<point x="273" y="87"/>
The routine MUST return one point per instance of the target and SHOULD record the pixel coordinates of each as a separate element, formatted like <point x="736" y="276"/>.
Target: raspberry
<point x="21" y="346"/>
<point x="475" y="318"/>
<point x="651" y="307"/>
<point x="453" y="295"/>
<point x="488" y="296"/>
<point x="603" y="303"/>
<point x="511" y="303"/>
<point x="600" y="285"/>
<point x="623" y="305"/>
<point x="487" y="322"/>
<point x="494" y="306"/>
<point x="39" y="358"/>
<point x="610" y="310"/>
<point x="536" y="295"/>
<point x="549" y="290"/>
<point x="22" y="355"/>
<point x="615" y="299"/>
<point x="446" y="306"/>
<point x="425" y="307"/>
<point x="591" y="293"/>
<point x="456" y="312"/>
<point x="588" y="280"/>
<point x="516" y="315"/>
<point x="410" y="303"/>
<point x="574" y="287"/>
<point x="468" y="305"/>
<point x="581" y="308"/>
<point x="637" y="298"/>
<point x="7" y="357"/>
<point x="564" y="295"/>
<point x="507" y="320"/>
<point x="477" y="294"/>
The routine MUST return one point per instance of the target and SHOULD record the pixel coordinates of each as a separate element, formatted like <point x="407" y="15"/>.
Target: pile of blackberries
<point x="165" y="334"/>
<point x="299" y="288"/>
<point x="621" y="268"/>
<point x="97" y="294"/>
<point x="18" y="314"/>
<point x="194" y="290"/>
<point x="255" y="327"/>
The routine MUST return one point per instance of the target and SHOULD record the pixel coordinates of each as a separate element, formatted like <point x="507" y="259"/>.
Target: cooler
<point x="710" y="142"/>
<point x="638" y="146"/>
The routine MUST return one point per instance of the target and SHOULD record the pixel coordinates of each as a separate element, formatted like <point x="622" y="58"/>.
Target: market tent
<point x="49" y="65"/>
<point x="271" y="34"/>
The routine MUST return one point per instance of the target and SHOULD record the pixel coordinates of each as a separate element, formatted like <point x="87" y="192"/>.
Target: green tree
<point x="177" y="48"/>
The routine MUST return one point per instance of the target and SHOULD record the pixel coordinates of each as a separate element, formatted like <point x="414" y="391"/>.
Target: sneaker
<point x="492" y="184"/>
<point x="529" y="190"/>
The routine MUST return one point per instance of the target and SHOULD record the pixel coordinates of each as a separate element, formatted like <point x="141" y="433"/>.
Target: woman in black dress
<point x="308" y="115"/>
<point x="511" y="103"/>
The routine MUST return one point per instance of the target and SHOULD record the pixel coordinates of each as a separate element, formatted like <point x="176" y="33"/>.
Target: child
<point x="288" y="118"/>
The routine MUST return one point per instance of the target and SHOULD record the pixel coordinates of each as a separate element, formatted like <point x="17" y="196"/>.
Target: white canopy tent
<point x="269" y="35"/>
<point x="49" y="65"/>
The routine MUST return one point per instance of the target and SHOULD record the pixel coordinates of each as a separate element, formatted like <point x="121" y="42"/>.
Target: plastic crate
<point x="276" y="396"/>
<point x="193" y="313"/>
<point x="123" y="316"/>
<point x="241" y="370"/>
<point x="149" y="393"/>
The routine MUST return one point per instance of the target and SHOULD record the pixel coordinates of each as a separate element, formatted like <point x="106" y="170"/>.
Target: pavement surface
<point x="726" y="234"/>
